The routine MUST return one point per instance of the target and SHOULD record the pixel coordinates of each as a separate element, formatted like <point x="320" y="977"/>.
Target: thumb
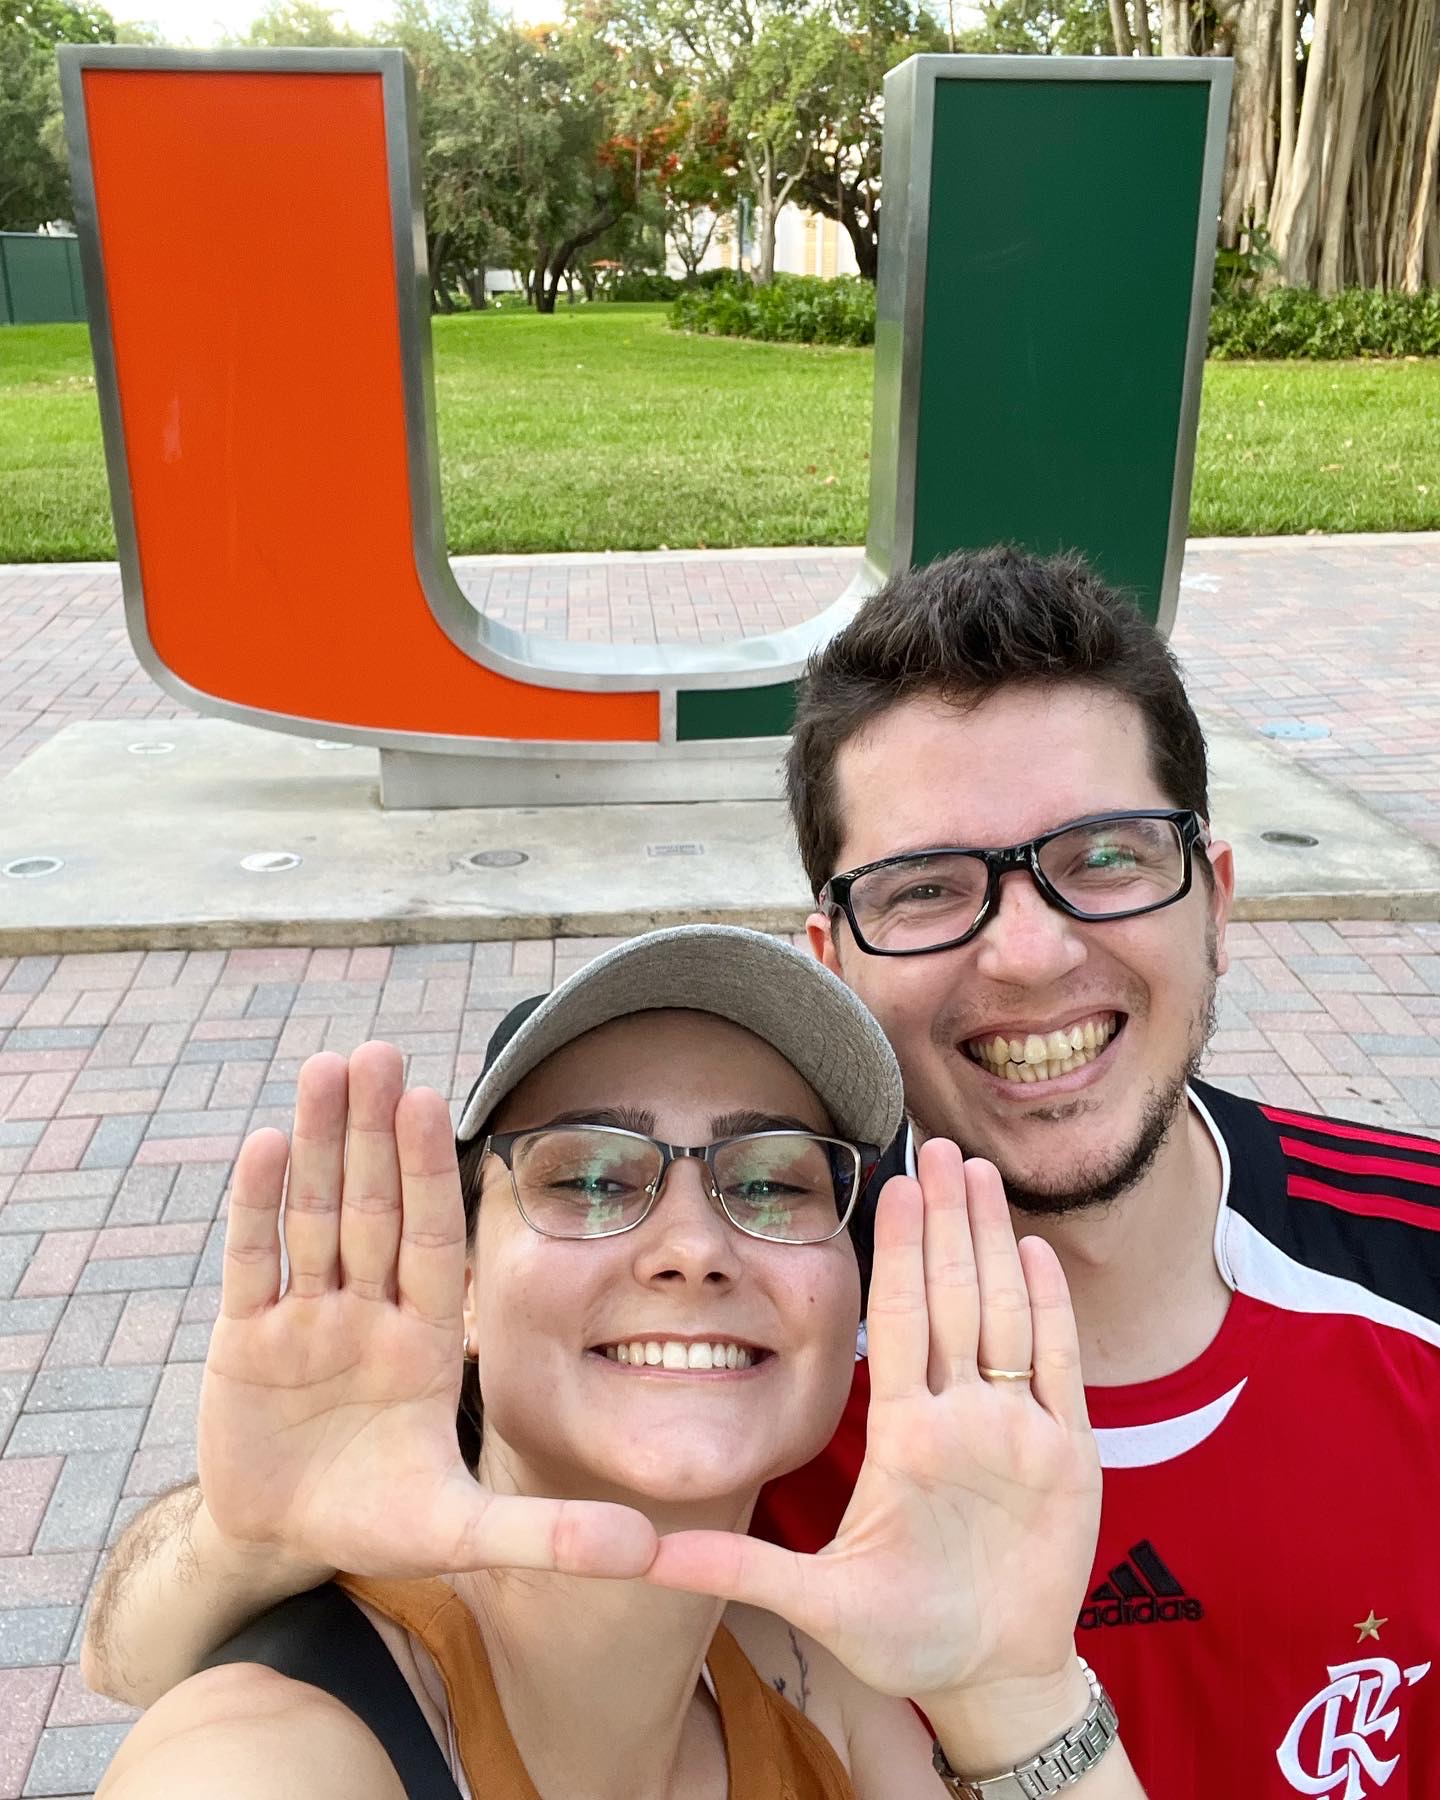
<point x="732" y="1566"/>
<point x="477" y="1530"/>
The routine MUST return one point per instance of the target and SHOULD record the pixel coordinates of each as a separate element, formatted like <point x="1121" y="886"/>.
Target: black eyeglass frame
<point x="1190" y="826"/>
<point x="867" y="1158"/>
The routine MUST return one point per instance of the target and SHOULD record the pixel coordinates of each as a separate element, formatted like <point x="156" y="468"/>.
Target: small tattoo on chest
<point x="799" y="1695"/>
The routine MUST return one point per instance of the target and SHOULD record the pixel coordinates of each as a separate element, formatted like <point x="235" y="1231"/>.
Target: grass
<point x="601" y="429"/>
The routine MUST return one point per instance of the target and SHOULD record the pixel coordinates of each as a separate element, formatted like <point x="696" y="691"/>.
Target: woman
<point x="655" y="1331"/>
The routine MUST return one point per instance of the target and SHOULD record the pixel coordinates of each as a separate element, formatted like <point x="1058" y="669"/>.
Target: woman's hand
<point x="327" y="1412"/>
<point x="961" y="1563"/>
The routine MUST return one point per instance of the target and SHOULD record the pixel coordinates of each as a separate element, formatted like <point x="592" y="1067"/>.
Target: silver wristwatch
<point x="1056" y="1767"/>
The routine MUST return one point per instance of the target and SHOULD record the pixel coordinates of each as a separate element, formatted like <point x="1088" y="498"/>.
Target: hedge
<point x="1281" y="323"/>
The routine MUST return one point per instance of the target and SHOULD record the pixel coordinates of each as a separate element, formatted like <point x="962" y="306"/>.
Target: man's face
<point x="1024" y="761"/>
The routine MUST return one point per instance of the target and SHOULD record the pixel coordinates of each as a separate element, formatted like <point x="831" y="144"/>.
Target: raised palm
<point x="327" y="1410"/>
<point x="962" y="1557"/>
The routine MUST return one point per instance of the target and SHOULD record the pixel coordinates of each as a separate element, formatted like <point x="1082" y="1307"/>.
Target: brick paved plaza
<point x="127" y="1081"/>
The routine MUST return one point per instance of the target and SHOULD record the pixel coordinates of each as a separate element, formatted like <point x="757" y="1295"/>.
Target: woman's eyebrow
<point x="623" y="1118"/>
<point x="738" y="1124"/>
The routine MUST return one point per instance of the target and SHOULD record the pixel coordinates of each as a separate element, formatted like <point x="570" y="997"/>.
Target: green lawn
<point x="601" y="429"/>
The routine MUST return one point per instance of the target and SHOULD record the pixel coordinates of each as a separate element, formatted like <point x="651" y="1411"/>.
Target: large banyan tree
<point x="1335" y="130"/>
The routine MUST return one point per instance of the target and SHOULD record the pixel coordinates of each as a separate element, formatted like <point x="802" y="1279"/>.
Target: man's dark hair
<point x="962" y="629"/>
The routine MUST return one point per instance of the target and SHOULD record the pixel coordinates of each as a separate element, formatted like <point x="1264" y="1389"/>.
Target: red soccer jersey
<point x="1265" y="1603"/>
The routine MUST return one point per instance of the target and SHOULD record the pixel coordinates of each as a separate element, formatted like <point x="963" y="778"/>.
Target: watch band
<point x="1056" y="1767"/>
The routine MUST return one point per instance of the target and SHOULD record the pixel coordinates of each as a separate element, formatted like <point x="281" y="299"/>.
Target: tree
<point x="285" y="24"/>
<point x="1334" y="145"/>
<point x="699" y="181"/>
<point x="843" y="114"/>
<point x="34" y="177"/>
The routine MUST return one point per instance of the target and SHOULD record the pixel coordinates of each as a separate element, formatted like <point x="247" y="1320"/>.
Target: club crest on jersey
<point x="1334" y="1745"/>
<point x="1139" y="1591"/>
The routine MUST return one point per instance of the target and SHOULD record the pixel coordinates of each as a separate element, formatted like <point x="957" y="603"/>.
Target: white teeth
<point x="1057" y="1045"/>
<point x="1034" y="1048"/>
<point x="1044" y="1056"/>
<point x="1089" y="1035"/>
<point x="1077" y="1037"/>
<point x="669" y="1353"/>
<point x="1017" y="1050"/>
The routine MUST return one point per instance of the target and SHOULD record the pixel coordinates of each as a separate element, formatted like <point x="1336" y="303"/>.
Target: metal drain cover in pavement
<point x="1294" y="731"/>
<point x="1293" y="840"/>
<point x="270" y="862"/>
<point x="494" y="859"/>
<point x="28" y="868"/>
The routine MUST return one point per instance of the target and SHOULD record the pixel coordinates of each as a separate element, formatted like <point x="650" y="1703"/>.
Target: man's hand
<point x="327" y="1411"/>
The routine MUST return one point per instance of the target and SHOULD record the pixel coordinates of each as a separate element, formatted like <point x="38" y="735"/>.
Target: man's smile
<point x="1022" y="1054"/>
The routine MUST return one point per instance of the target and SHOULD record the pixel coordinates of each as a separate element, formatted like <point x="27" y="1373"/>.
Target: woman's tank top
<point x="773" y="1751"/>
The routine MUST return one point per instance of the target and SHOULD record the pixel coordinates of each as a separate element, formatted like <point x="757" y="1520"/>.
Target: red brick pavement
<point x="1340" y="632"/>
<point x="126" y="1081"/>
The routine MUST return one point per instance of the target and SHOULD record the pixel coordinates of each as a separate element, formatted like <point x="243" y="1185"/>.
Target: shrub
<point x="793" y="309"/>
<point x="640" y="284"/>
<point x="1296" y="322"/>
<point x="713" y="278"/>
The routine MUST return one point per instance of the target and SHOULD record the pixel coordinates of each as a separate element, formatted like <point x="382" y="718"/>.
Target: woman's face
<point x="562" y="1416"/>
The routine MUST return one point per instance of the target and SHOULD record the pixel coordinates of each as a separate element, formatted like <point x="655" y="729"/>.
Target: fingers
<point x="317" y="1170"/>
<point x="1058" y="1384"/>
<point x="734" y="1567"/>
<point x="472" y="1529"/>
<point x="952" y="1291"/>
<point x="1006" y="1340"/>
<point x="370" y="1204"/>
<point x="250" y="1276"/>
<point x="430" y="1276"/>
<point x="896" y="1319"/>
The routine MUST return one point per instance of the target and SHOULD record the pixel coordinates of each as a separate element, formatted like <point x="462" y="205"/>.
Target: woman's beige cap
<point x="785" y="997"/>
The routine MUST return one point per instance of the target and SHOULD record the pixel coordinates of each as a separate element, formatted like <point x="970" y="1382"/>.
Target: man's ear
<point x="1222" y="894"/>
<point x="468" y="1314"/>
<point x="820" y="929"/>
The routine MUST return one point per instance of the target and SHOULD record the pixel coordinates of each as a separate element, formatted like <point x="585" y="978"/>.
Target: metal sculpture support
<point x="269" y="428"/>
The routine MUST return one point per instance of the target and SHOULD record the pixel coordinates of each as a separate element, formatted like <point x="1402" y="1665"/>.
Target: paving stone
<point x="75" y="1704"/>
<point x="26" y="1485"/>
<point x="71" y="1390"/>
<point x="126" y="1272"/>
<point x="115" y="1141"/>
<point x="83" y="1502"/>
<point x="30" y="1315"/>
<point x="25" y="1696"/>
<point x="86" y="1327"/>
<point x="64" y="1433"/>
<point x="72" y="1759"/>
<point x="31" y="1635"/>
<point x="57" y="1580"/>
<point x="15" y="1252"/>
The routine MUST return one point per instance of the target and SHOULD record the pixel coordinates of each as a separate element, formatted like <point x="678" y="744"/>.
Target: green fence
<point x="40" y="280"/>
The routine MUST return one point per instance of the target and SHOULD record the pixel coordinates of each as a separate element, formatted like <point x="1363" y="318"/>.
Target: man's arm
<point x="172" y="1590"/>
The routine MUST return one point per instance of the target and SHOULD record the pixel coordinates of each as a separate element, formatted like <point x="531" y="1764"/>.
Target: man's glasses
<point x="1113" y="866"/>
<point x="588" y="1181"/>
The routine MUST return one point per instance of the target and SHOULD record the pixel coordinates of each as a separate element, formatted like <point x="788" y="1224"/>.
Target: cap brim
<point x="786" y="998"/>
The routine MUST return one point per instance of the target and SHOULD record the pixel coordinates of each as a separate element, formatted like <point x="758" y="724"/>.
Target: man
<point x="1258" y="1291"/>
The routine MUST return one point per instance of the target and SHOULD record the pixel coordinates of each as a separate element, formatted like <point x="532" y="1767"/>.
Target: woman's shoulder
<point x="879" y="1740"/>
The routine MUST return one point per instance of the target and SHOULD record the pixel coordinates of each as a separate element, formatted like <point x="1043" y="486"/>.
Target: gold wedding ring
<point x="1006" y="1374"/>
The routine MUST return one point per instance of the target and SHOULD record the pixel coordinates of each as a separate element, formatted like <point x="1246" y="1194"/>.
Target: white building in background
<point x="805" y="244"/>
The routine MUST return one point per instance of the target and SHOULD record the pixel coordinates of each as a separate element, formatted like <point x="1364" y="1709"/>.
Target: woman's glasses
<point x="588" y="1181"/>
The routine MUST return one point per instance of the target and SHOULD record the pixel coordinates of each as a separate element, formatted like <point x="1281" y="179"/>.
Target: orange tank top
<point x="773" y="1751"/>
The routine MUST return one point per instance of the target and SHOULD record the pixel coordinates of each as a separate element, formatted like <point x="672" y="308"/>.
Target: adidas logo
<point x="1139" y="1591"/>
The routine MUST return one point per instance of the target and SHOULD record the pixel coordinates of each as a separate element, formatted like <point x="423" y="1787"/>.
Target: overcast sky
<point x="202" y="22"/>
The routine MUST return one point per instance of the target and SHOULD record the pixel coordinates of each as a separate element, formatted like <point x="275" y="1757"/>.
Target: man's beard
<point x="1096" y="1185"/>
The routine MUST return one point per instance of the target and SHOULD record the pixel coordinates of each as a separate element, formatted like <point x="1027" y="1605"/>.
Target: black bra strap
<point x="323" y="1638"/>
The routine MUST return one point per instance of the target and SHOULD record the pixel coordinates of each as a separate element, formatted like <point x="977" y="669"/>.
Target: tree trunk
<point x="1248" y="153"/>
<point x="1144" y="43"/>
<point x="1287" y="52"/>
<point x="1423" y="213"/>
<point x="1119" y="29"/>
<point x="1350" y="62"/>
<point x="765" y="216"/>
<point x="1296" y="212"/>
<point x="1174" y="27"/>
